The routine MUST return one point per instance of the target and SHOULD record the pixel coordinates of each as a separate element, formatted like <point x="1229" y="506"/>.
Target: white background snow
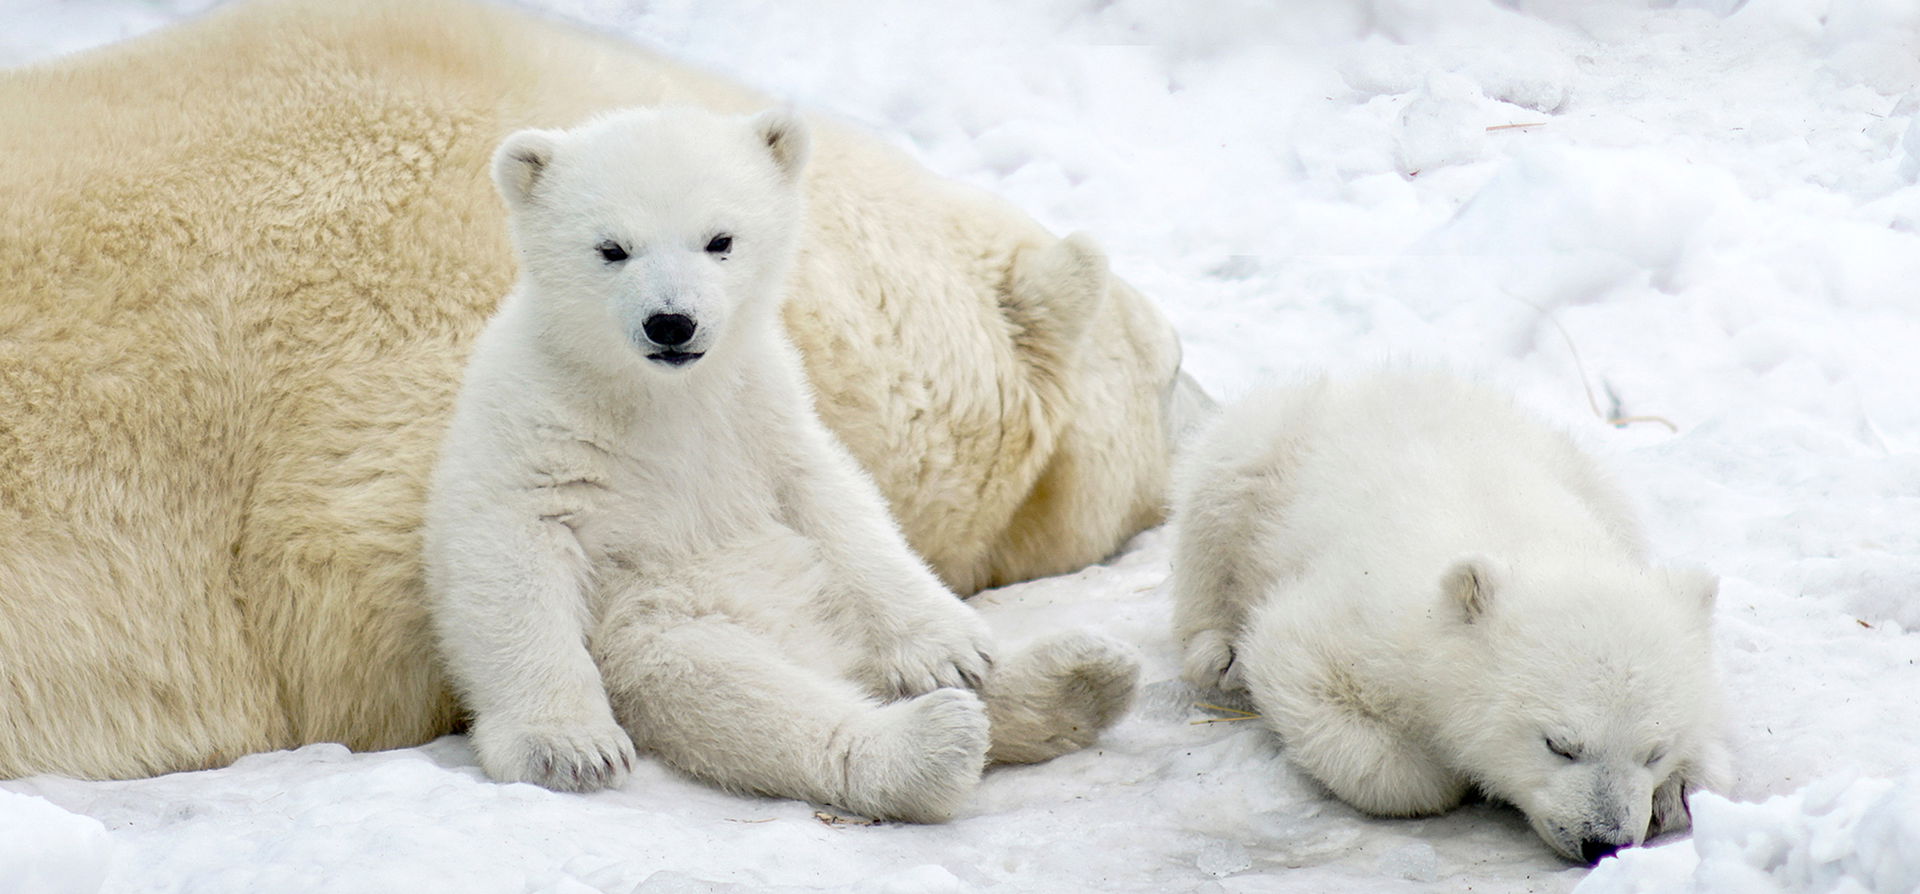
<point x="1717" y="202"/>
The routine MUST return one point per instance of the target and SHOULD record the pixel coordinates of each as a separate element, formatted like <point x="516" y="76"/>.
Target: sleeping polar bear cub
<point x="1423" y="590"/>
<point x="639" y="533"/>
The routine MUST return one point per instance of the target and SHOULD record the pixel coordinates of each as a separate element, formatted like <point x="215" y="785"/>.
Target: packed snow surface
<point x="1701" y="212"/>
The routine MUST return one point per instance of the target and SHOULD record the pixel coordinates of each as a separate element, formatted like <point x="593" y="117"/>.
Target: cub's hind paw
<point x="1058" y="695"/>
<point x="917" y="760"/>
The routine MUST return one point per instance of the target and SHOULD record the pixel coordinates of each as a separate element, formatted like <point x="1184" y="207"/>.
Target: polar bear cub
<point x="639" y="532"/>
<point x="1423" y="590"/>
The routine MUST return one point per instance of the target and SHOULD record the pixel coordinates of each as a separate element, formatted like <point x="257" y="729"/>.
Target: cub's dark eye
<point x="1658" y="755"/>
<point x="1563" y="749"/>
<point x="720" y="245"/>
<point x="611" y="251"/>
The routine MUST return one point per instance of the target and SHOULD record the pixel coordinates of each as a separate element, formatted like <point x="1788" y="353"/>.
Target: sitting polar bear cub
<point x="639" y="528"/>
<point x="1423" y="590"/>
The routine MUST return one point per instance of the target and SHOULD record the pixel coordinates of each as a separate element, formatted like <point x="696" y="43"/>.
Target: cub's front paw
<point x="578" y="756"/>
<point x="1210" y="662"/>
<point x="946" y="646"/>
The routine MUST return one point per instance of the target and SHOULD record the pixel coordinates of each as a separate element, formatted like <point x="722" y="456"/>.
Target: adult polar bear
<point x="240" y="263"/>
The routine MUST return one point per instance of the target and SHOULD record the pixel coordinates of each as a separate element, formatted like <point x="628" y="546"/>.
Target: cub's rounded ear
<point x="787" y="139"/>
<point x="1470" y="584"/>
<point x="519" y="163"/>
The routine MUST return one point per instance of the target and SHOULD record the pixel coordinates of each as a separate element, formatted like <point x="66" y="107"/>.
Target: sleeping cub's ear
<point x="1470" y="584"/>
<point x="519" y="162"/>
<point x="787" y="139"/>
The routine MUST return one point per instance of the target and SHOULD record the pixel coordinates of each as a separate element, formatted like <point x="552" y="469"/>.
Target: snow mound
<point x="46" y="850"/>
<point x="1842" y="835"/>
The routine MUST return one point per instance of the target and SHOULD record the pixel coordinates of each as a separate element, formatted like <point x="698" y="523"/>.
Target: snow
<point x="47" y="850"/>
<point x="1710" y="216"/>
<point x="1843" y="835"/>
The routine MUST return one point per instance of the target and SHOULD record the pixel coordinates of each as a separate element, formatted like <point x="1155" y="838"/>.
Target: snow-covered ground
<point x="1704" y="211"/>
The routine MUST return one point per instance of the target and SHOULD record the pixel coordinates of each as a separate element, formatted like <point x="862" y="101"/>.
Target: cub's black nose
<point x="1593" y="850"/>
<point x="669" y="330"/>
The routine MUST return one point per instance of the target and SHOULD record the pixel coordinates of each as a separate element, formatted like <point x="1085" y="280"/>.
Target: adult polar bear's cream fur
<point x="241" y="262"/>
<point x="638" y="522"/>
<point x="1423" y="590"/>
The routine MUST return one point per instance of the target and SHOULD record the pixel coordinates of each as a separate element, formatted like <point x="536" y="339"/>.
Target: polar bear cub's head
<point x="665" y="226"/>
<point x="1590" y="700"/>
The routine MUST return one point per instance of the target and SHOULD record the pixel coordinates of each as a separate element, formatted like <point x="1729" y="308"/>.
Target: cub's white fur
<point x="1423" y="590"/>
<point x="639" y="532"/>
